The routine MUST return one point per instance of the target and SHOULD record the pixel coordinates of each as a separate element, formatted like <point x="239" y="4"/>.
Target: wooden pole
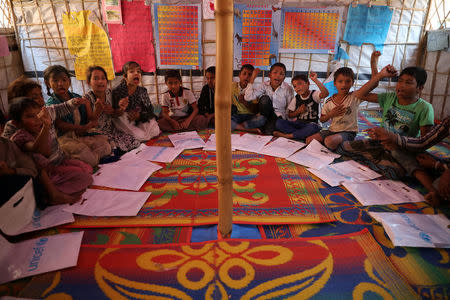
<point x="224" y="78"/>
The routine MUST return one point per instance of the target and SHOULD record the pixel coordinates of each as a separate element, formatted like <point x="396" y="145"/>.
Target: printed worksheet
<point x="315" y="155"/>
<point x="103" y="203"/>
<point x="282" y="147"/>
<point x="187" y="140"/>
<point x="415" y="230"/>
<point x="382" y="192"/>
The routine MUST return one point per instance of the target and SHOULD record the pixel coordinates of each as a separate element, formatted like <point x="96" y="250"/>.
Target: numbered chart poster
<point x="178" y="36"/>
<point x="256" y="30"/>
<point x="308" y="30"/>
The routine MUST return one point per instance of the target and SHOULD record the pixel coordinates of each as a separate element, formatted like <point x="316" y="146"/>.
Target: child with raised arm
<point x="206" y="100"/>
<point x="179" y="107"/>
<point x="243" y="116"/>
<point x="274" y="95"/>
<point x="69" y="176"/>
<point x="303" y="109"/>
<point x="100" y="98"/>
<point x="405" y="113"/>
<point x="342" y="110"/>
<point x="138" y="118"/>
<point x="76" y="138"/>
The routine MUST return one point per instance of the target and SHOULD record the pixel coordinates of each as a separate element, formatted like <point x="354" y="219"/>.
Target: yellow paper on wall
<point x="88" y="42"/>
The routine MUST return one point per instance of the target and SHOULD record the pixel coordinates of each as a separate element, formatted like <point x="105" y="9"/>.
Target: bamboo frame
<point x="224" y="75"/>
<point x="435" y="8"/>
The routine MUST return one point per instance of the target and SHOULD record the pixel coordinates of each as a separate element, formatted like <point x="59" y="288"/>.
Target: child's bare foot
<point x="254" y="130"/>
<point x="433" y="198"/>
<point x="282" y="134"/>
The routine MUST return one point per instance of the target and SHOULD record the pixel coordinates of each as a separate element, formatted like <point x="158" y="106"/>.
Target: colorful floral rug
<point x="184" y="193"/>
<point x="425" y="268"/>
<point x="344" y="267"/>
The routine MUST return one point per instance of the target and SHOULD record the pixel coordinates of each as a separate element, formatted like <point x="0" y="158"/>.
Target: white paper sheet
<point x="336" y="174"/>
<point x="383" y="192"/>
<point x="50" y="217"/>
<point x="103" y="203"/>
<point x="211" y="142"/>
<point x="152" y="153"/>
<point x="122" y="175"/>
<point x="37" y="256"/>
<point x="282" y="147"/>
<point x="415" y="230"/>
<point x="315" y="155"/>
<point x="187" y="140"/>
<point x="252" y="142"/>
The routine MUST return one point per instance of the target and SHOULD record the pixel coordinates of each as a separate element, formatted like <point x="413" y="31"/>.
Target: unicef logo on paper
<point x="425" y="237"/>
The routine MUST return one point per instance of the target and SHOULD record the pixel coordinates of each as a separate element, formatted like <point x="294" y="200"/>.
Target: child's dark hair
<point x="278" y="64"/>
<point x="21" y="87"/>
<point x="91" y="69"/>
<point x="345" y="71"/>
<point x="172" y="74"/>
<point x="54" y="71"/>
<point x="418" y="73"/>
<point x="211" y="70"/>
<point x="2" y="119"/>
<point x="19" y="105"/>
<point x="301" y="77"/>
<point x="128" y="65"/>
<point x="248" y="67"/>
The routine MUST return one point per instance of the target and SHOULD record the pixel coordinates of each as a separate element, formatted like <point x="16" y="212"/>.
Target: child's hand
<point x="44" y="117"/>
<point x="388" y="71"/>
<point x="313" y="76"/>
<point x="108" y="109"/>
<point x="185" y="124"/>
<point x="301" y="109"/>
<point x="133" y="115"/>
<point x="338" y="111"/>
<point x="176" y="126"/>
<point x="426" y="160"/>
<point x="254" y="74"/>
<point x="99" y="105"/>
<point x="91" y="124"/>
<point x="379" y="133"/>
<point x="5" y="170"/>
<point x="123" y="103"/>
<point x="84" y="101"/>
<point x="374" y="57"/>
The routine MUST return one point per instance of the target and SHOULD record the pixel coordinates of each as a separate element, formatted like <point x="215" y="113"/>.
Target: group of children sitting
<point x="70" y="134"/>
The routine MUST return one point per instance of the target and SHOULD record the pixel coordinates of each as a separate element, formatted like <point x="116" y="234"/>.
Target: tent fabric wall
<point x="42" y="43"/>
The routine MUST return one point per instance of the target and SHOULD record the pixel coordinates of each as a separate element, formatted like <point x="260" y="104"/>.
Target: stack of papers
<point x="315" y="155"/>
<point x="282" y="147"/>
<point x="127" y="175"/>
<point x="37" y="256"/>
<point x="338" y="173"/>
<point x="415" y="230"/>
<point x="187" y="140"/>
<point x="383" y="192"/>
<point x="252" y="142"/>
<point x="109" y="203"/>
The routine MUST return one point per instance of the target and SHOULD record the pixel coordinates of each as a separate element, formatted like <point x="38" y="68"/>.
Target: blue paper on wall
<point x="368" y="25"/>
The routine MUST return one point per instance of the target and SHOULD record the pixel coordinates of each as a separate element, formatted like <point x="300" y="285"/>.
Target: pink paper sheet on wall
<point x="133" y="39"/>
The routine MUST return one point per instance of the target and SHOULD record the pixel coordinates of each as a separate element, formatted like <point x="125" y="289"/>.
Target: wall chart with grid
<point x="307" y="30"/>
<point x="255" y="36"/>
<point x="178" y="36"/>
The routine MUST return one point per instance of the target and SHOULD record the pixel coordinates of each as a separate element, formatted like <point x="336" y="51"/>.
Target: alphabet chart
<point x="178" y="35"/>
